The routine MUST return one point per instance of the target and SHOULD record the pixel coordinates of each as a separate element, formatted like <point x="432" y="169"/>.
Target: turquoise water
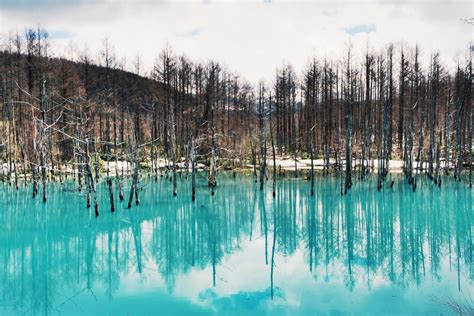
<point x="367" y="253"/>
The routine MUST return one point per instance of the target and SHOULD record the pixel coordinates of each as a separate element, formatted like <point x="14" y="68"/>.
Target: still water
<point x="239" y="252"/>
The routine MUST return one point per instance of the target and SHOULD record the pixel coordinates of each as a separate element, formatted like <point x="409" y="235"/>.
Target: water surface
<point x="240" y="251"/>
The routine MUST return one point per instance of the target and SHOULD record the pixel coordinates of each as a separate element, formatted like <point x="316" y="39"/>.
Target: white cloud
<point x="251" y="38"/>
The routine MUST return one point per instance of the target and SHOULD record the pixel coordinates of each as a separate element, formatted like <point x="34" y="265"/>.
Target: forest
<point x="96" y="118"/>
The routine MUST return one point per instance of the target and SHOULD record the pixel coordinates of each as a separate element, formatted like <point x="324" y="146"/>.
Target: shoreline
<point x="395" y="166"/>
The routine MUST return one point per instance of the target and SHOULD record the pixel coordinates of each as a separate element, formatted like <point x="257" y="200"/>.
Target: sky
<point x="250" y="38"/>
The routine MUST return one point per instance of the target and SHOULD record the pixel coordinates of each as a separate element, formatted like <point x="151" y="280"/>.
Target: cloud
<point x="329" y="12"/>
<point x="28" y="4"/>
<point x="361" y="28"/>
<point x="251" y="38"/>
<point x="192" y="33"/>
<point x="60" y="34"/>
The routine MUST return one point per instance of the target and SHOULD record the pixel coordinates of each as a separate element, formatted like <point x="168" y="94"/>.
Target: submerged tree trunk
<point x="91" y="181"/>
<point x="117" y="173"/>
<point x="470" y="145"/>
<point x="348" y="119"/>
<point x="136" y="160"/>
<point x="193" y="169"/>
<point x="263" y="145"/>
<point x="253" y="153"/>
<point x="212" y="169"/>
<point x="437" y="177"/>
<point x="134" y="187"/>
<point x="111" y="195"/>
<point x="447" y="134"/>
<point x="43" y="138"/>
<point x="311" y="149"/>
<point x="273" y="150"/>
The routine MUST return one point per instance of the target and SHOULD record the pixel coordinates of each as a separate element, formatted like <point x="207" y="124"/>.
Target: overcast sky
<point x="252" y="38"/>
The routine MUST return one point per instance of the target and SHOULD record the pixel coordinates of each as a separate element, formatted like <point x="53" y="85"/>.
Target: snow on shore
<point x="395" y="166"/>
<point x="285" y="163"/>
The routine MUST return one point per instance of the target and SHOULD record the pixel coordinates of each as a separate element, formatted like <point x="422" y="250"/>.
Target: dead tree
<point x="117" y="174"/>
<point x="367" y="113"/>
<point x="348" y="122"/>
<point x="91" y="182"/>
<point x="135" y="178"/>
<point x="274" y="178"/>
<point x="211" y="99"/>
<point x="311" y="151"/>
<point x="263" y="144"/>
<point x="193" y="167"/>
<point x="42" y="141"/>
<point x="134" y="190"/>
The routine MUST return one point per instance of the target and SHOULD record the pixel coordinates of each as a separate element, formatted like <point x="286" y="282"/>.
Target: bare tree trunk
<point x="420" y="143"/>
<point x="173" y="150"/>
<point x="470" y="147"/>
<point x="91" y="181"/>
<point x="263" y="145"/>
<point x="23" y="156"/>
<point x="16" y="174"/>
<point x="117" y="174"/>
<point x="134" y="188"/>
<point x="193" y="169"/>
<point x="43" y="138"/>
<point x="212" y="170"/>
<point x="253" y="153"/>
<point x="348" y="118"/>
<point x="111" y="195"/>
<point x="311" y="148"/>
<point x="447" y="135"/>
<point x="437" y="177"/>
<point x="273" y="149"/>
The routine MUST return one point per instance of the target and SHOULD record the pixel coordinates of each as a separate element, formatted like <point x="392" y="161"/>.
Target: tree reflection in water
<point x="51" y="253"/>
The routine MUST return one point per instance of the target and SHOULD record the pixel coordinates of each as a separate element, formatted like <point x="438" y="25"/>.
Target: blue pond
<point x="240" y="251"/>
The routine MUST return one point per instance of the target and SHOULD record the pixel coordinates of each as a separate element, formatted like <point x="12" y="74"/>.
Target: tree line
<point x="65" y="118"/>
